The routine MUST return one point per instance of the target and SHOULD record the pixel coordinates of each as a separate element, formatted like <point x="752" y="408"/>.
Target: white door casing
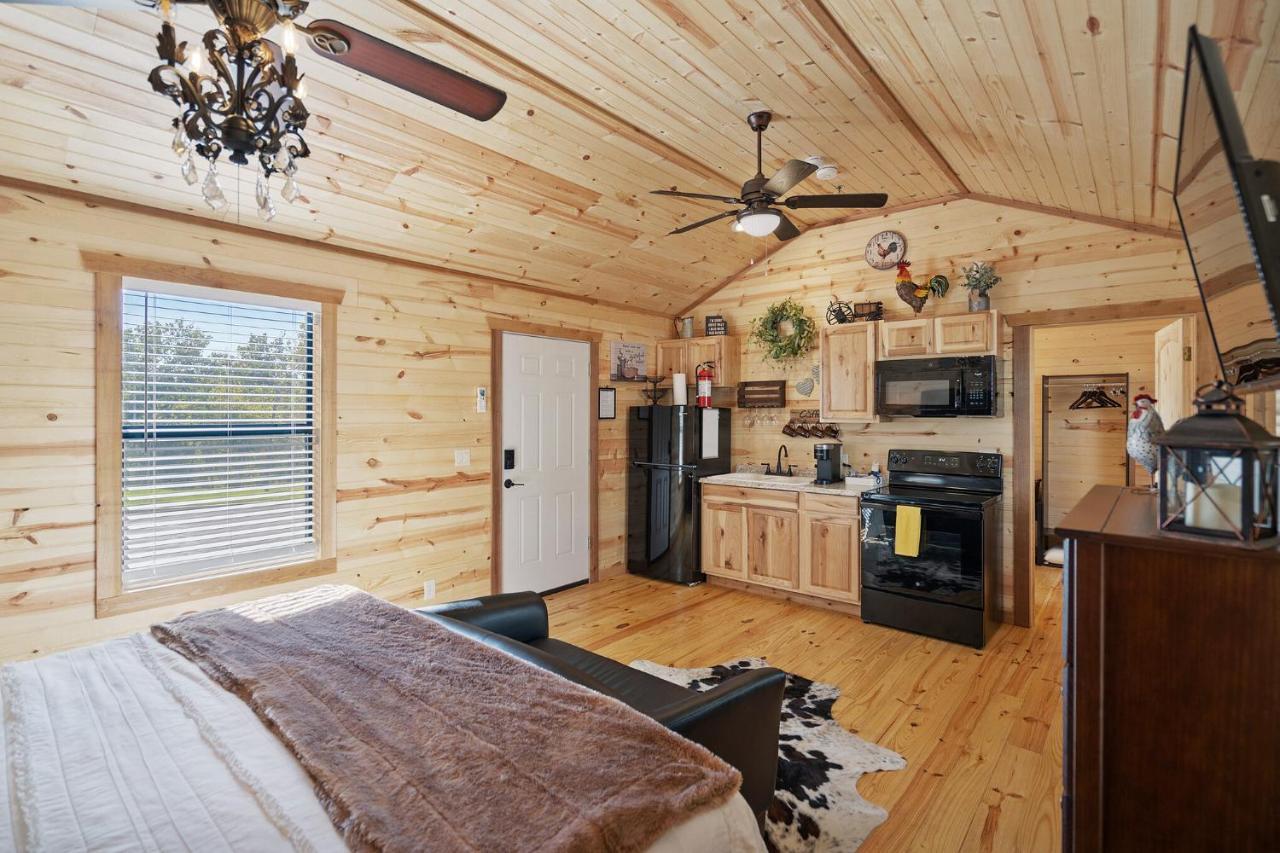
<point x="546" y="422"/>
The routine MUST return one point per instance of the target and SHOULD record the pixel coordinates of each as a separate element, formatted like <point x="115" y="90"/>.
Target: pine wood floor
<point x="981" y="731"/>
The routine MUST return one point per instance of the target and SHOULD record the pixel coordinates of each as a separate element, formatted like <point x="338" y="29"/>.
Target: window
<point x="218" y="475"/>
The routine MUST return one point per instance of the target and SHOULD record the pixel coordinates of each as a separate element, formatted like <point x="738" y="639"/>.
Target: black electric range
<point x="951" y="589"/>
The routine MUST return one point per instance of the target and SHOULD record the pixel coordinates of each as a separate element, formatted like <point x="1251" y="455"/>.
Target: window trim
<point x="109" y="273"/>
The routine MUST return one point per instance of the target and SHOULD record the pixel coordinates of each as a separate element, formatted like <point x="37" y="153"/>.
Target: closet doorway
<point x="1083" y="426"/>
<point x="1086" y="377"/>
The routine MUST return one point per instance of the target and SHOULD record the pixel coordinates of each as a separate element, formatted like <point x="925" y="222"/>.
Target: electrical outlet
<point x="844" y="457"/>
<point x="482" y="400"/>
<point x="461" y="458"/>
<point x="429" y="590"/>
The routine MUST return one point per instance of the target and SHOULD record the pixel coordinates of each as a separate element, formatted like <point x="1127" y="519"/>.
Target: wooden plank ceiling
<point x="1071" y="104"/>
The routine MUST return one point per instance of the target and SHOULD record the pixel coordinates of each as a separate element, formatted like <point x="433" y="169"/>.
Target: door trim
<point x="497" y="326"/>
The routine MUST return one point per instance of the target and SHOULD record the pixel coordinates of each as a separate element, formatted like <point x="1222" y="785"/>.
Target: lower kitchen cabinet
<point x="800" y="542"/>
<point x="724" y="539"/>
<point x="772" y="542"/>
<point x="829" y="547"/>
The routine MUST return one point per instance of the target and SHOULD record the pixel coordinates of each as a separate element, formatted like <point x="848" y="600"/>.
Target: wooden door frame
<point x="497" y="327"/>
<point x="1024" y="484"/>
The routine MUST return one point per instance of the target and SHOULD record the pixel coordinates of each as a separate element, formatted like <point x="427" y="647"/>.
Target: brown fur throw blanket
<point x="420" y="738"/>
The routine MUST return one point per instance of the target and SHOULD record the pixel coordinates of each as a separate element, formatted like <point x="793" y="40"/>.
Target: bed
<point x="130" y="744"/>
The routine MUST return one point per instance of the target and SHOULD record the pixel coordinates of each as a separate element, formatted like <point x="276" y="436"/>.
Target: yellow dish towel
<point x="906" y="535"/>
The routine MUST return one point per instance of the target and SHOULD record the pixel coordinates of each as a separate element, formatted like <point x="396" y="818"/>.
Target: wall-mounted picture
<point x="607" y="404"/>
<point x="627" y="361"/>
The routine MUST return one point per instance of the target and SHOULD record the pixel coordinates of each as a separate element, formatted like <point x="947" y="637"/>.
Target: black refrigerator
<point x="669" y="449"/>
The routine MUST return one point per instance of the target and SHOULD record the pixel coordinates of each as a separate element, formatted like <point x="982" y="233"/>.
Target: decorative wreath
<point x="779" y="345"/>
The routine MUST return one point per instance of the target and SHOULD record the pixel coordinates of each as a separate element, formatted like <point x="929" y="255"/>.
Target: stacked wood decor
<point x="1048" y="263"/>
<point x="413" y="345"/>
<point x="1071" y="104"/>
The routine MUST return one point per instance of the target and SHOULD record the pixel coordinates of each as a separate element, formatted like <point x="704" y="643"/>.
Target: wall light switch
<point x="482" y="400"/>
<point x="429" y="590"/>
<point x="461" y="458"/>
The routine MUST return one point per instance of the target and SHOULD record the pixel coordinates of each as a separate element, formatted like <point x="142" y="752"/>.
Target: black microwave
<point x="937" y="387"/>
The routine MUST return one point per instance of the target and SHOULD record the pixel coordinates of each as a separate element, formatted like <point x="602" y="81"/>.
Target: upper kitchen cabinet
<point x="906" y="337"/>
<point x="683" y="355"/>
<point x="953" y="334"/>
<point x="966" y="334"/>
<point x="847" y="354"/>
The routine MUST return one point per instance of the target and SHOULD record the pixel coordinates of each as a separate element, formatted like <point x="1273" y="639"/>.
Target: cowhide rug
<point x="816" y="805"/>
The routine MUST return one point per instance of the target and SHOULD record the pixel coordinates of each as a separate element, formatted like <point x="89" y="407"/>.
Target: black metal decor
<point x="1218" y="472"/>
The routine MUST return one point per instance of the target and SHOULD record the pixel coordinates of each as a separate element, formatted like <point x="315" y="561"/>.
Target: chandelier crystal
<point x="238" y="93"/>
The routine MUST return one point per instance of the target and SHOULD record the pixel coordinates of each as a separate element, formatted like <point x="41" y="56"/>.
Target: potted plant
<point x="979" y="278"/>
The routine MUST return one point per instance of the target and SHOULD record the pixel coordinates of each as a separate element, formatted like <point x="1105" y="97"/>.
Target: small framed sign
<point x="607" y="405"/>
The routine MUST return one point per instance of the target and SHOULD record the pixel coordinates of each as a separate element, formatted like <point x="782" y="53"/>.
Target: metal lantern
<point x="1218" y="472"/>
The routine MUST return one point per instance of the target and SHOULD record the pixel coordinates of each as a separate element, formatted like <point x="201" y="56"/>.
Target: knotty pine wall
<point x="413" y="346"/>
<point x="1047" y="262"/>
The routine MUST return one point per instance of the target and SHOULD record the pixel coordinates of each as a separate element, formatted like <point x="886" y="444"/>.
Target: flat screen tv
<point x="1229" y="207"/>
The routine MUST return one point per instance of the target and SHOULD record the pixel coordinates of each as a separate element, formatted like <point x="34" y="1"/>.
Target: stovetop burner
<point x="929" y="496"/>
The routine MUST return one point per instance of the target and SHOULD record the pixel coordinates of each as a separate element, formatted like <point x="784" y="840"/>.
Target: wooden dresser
<point x="1172" y="685"/>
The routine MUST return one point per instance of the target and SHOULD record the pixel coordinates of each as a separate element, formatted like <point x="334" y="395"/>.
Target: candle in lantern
<point x="1201" y="510"/>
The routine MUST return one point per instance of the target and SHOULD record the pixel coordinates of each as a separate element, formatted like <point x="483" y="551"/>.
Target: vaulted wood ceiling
<point x="1070" y="104"/>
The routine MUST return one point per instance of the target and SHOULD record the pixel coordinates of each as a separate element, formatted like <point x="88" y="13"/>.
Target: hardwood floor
<point x="981" y="731"/>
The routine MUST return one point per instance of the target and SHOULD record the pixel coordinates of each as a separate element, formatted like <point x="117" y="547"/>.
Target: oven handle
<point x="874" y="503"/>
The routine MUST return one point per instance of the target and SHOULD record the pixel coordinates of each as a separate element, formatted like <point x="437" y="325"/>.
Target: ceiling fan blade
<point x="362" y="52"/>
<point x="726" y="199"/>
<point x="786" y="229"/>
<point x="702" y="222"/>
<point x="845" y="200"/>
<point x="792" y="173"/>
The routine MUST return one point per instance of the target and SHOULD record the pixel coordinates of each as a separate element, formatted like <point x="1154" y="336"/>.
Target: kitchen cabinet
<point x="773" y="541"/>
<point x="829" y="547"/>
<point x="952" y="334"/>
<point x="683" y="355"/>
<point x="964" y="334"/>
<point x="906" y="337"/>
<point x="724" y="542"/>
<point x="847" y="355"/>
<point x="795" y="542"/>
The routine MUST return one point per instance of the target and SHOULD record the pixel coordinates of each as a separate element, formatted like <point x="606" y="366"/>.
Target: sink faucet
<point x="782" y="451"/>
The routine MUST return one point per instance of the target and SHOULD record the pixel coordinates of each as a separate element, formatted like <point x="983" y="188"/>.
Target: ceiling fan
<point x="347" y="46"/>
<point x="759" y="217"/>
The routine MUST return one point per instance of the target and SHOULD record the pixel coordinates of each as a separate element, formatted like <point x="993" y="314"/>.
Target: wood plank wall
<point x="1048" y="262"/>
<point x="413" y="347"/>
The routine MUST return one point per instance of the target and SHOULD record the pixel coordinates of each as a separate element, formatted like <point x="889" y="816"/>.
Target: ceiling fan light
<point x="759" y="223"/>
<point x="736" y="227"/>
<point x="827" y="173"/>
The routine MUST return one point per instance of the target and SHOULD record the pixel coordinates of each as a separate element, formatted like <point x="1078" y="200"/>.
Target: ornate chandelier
<point x="237" y="92"/>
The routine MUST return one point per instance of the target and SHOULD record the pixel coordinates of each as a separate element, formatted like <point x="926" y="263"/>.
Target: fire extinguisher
<point x="706" y="375"/>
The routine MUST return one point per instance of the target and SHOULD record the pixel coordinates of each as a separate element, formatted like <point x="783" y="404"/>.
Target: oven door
<point x="949" y="566"/>
<point x="922" y="388"/>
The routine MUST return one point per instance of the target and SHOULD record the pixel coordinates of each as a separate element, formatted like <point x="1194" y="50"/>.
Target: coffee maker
<point x="830" y="467"/>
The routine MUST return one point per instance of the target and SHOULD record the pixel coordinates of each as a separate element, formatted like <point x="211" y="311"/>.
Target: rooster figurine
<point x="1145" y="426"/>
<point x="908" y="292"/>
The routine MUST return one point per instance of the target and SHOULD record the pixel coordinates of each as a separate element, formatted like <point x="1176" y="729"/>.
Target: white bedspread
<point x="126" y="745"/>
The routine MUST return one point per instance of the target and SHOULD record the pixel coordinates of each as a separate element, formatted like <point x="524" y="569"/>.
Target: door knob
<point x="508" y="483"/>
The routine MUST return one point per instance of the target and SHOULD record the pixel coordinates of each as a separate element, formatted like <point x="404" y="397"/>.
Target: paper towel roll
<point x="679" y="390"/>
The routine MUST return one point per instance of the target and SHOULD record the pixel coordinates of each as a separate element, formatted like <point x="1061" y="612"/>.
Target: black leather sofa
<point x="737" y="720"/>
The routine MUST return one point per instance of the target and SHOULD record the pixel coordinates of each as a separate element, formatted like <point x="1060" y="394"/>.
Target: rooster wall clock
<point x="886" y="249"/>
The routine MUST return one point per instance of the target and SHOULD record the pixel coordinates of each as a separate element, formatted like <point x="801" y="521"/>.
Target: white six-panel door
<point x="545" y="412"/>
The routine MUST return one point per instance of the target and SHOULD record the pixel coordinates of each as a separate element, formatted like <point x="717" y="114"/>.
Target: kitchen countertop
<point x="851" y="486"/>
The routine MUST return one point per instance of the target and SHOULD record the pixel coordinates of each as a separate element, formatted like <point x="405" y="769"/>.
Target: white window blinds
<point x="218" y="431"/>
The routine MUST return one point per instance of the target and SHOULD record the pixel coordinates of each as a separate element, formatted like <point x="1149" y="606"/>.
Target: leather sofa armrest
<point x="521" y="616"/>
<point x="738" y="721"/>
